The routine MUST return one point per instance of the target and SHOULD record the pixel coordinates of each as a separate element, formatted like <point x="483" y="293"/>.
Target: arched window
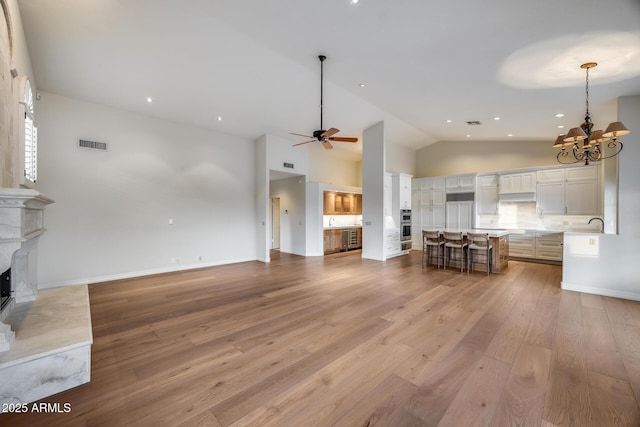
<point x="30" y="136"/>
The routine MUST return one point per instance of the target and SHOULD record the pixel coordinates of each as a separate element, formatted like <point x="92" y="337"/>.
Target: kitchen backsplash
<point x="341" y="220"/>
<point x="523" y="215"/>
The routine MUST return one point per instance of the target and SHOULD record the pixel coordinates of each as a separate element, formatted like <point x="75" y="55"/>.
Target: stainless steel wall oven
<point x="405" y="229"/>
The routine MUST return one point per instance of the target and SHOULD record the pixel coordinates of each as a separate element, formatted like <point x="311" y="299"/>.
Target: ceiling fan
<point x="321" y="135"/>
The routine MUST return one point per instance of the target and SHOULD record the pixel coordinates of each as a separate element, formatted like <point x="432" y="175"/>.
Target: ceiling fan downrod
<point x="321" y="58"/>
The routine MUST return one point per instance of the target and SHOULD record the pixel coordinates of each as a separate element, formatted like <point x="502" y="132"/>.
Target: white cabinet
<point x="518" y="183"/>
<point x="459" y="215"/>
<point x="487" y="195"/>
<point x="430" y="191"/>
<point x="428" y="210"/>
<point x="432" y="217"/>
<point x="460" y="183"/>
<point x="550" y="198"/>
<point x="582" y="191"/>
<point x="571" y="191"/>
<point x="401" y="184"/>
<point x="392" y="242"/>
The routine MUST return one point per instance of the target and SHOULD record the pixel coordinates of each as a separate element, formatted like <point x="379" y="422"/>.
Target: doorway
<point x="275" y="223"/>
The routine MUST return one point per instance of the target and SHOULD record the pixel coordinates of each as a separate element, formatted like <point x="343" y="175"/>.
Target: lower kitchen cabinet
<point x="549" y="246"/>
<point x="536" y="245"/>
<point x="522" y="245"/>
<point x="342" y="239"/>
<point x="392" y="246"/>
<point x="332" y="241"/>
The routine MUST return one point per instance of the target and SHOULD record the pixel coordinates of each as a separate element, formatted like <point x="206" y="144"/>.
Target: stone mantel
<point x="21" y="225"/>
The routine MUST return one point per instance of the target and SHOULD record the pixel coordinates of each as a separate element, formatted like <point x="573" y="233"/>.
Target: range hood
<point x="517" y="197"/>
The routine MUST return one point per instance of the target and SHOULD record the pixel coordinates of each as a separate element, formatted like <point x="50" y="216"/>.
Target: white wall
<point x="457" y="157"/>
<point x="607" y="264"/>
<point x="112" y="210"/>
<point x="400" y="159"/>
<point x="280" y="151"/>
<point x="331" y="168"/>
<point x="373" y="169"/>
<point x="291" y="192"/>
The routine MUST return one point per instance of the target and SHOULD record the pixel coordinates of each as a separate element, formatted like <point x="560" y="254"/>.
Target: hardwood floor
<point x="343" y="341"/>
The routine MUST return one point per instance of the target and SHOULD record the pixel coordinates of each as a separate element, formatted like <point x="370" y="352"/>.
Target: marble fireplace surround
<point x="21" y="225"/>
<point x="45" y="337"/>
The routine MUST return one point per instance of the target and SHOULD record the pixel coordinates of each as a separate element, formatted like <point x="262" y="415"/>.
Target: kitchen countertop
<point x="490" y="232"/>
<point x="338" y="227"/>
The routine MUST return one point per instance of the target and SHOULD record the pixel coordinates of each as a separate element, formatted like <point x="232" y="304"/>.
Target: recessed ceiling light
<point x="468" y="136"/>
<point x="559" y="115"/>
<point x="509" y="134"/>
<point x="448" y="120"/>
<point x="496" y="118"/>
<point x="560" y="126"/>
<point x="362" y="85"/>
<point x="219" y="118"/>
<point x="354" y="1"/>
<point x="149" y="99"/>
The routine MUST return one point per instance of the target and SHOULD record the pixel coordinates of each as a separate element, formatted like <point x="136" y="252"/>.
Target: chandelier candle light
<point x="590" y="151"/>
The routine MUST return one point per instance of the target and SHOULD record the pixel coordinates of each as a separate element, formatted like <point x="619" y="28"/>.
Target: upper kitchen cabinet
<point x="570" y="191"/>
<point x="583" y="194"/>
<point x="487" y="195"/>
<point x="460" y="183"/>
<point x="514" y="183"/>
<point x="401" y="183"/>
<point x="429" y="191"/>
<point x="550" y="192"/>
<point x="342" y="203"/>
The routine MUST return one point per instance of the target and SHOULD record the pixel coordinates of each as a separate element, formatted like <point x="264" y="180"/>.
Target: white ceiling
<point x="254" y="63"/>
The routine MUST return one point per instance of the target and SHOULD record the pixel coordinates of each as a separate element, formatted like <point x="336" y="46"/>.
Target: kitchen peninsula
<point x="499" y="240"/>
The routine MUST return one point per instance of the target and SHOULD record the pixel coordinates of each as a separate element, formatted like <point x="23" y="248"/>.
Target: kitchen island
<point x="499" y="240"/>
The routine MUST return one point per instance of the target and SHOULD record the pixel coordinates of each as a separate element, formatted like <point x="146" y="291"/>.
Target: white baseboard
<point x="600" y="291"/>
<point x="132" y="274"/>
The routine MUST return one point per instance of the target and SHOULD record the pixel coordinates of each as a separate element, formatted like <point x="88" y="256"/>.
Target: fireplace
<point x="45" y="337"/>
<point x="5" y="289"/>
<point x="21" y="225"/>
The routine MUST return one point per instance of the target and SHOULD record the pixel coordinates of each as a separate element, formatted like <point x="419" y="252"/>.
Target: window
<point x="30" y="136"/>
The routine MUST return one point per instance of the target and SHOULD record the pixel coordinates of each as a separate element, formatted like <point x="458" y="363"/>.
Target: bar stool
<point x="454" y="241"/>
<point x="430" y="241"/>
<point x="479" y="242"/>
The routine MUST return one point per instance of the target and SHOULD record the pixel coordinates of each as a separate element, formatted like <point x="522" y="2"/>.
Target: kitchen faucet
<point x="599" y="219"/>
<point x="331" y="220"/>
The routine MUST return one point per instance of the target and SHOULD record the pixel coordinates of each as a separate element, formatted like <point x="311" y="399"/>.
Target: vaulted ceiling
<point x="254" y="63"/>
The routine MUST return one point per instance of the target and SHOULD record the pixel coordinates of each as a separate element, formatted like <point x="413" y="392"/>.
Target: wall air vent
<point x="474" y="123"/>
<point x="85" y="143"/>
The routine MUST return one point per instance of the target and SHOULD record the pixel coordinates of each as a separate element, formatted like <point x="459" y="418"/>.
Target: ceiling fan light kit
<point x="590" y="149"/>
<point x="324" y="137"/>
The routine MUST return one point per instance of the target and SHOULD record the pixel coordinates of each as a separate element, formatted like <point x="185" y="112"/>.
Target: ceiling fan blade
<point x="327" y="145"/>
<point x="299" y="134"/>
<point x="343" y="139"/>
<point x="330" y="132"/>
<point x="306" y="142"/>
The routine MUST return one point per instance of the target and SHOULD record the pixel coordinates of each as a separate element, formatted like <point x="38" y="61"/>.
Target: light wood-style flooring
<point x="338" y="340"/>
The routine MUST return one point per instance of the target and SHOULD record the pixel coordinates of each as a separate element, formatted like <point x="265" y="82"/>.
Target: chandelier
<point x="585" y="142"/>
